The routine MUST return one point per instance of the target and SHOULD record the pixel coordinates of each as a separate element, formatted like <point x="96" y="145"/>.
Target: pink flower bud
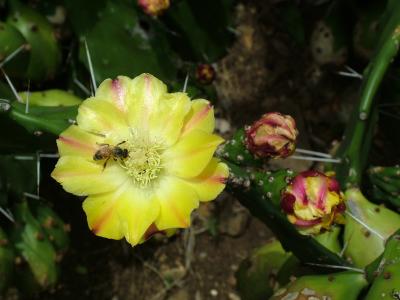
<point x="272" y="136"/>
<point x="154" y="7"/>
<point x="313" y="201"/>
<point x="205" y="73"/>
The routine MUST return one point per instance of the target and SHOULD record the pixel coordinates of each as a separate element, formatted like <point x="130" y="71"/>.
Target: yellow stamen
<point x="143" y="163"/>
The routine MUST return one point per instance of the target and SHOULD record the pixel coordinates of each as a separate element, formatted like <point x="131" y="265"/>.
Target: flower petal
<point x="177" y="200"/>
<point x="116" y="91"/>
<point x="144" y="98"/>
<point x="76" y="142"/>
<point x="101" y="117"/>
<point x="191" y="154"/>
<point x="167" y="121"/>
<point x="210" y="183"/>
<point x="128" y="212"/>
<point x="200" y="116"/>
<point x="82" y="177"/>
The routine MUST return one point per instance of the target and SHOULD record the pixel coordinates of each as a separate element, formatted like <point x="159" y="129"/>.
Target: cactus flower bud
<point x="272" y="136"/>
<point x="154" y="7"/>
<point x="205" y="73"/>
<point x="313" y="201"/>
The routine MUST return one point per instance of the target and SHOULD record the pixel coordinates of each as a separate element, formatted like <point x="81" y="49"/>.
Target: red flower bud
<point x="272" y="136"/>
<point x="154" y="7"/>
<point x="205" y="73"/>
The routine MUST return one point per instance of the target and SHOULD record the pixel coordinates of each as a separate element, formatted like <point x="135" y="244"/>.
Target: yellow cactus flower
<point x="142" y="156"/>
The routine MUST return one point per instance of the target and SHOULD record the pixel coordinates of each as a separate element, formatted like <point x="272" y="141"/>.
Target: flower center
<point x="143" y="163"/>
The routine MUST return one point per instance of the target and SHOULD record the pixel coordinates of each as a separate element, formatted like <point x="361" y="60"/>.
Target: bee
<point x="106" y="151"/>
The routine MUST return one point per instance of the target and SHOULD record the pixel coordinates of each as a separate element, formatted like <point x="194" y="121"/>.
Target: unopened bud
<point x="154" y="7"/>
<point x="205" y="73"/>
<point x="272" y="136"/>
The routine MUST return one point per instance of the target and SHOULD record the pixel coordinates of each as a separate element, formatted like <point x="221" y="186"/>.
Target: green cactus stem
<point x="367" y="225"/>
<point x="255" y="197"/>
<point x="337" y="286"/>
<point x="50" y="98"/>
<point x="53" y="226"/>
<point x="6" y="261"/>
<point x="358" y="136"/>
<point x="256" y="276"/>
<point x="386" y="274"/>
<point x="40" y="119"/>
<point x="45" y="53"/>
<point x="330" y="239"/>
<point x="386" y="184"/>
<point x="12" y="42"/>
<point x="235" y="151"/>
<point x="32" y="244"/>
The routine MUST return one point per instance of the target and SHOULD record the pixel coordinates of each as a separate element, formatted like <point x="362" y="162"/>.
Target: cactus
<point x="132" y="51"/>
<point x="33" y="246"/>
<point x="41" y="119"/>
<point x="44" y="51"/>
<point x="50" y="98"/>
<point x="386" y="184"/>
<point x="235" y="151"/>
<point x="12" y="40"/>
<point x="54" y="228"/>
<point x="197" y="36"/>
<point x="367" y="224"/>
<point x="330" y="239"/>
<point x="386" y="276"/>
<point x="6" y="261"/>
<point x="337" y="286"/>
<point x="256" y="276"/>
<point x="255" y="197"/>
<point x="358" y="135"/>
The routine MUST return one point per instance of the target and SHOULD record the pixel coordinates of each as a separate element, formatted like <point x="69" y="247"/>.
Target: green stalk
<point x="356" y="143"/>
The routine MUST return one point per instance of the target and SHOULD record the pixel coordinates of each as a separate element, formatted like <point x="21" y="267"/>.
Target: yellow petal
<point x="191" y="154"/>
<point x="167" y="121"/>
<point x="82" y="177"/>
<point x="144" y="98"/>
<point x="102" y="215"/>
<point x="116" y="91"/>
<point x="138" y="210"/>
<point x="210" y="183"/>
<point x="177" y="200"/>
<point x="127" y="212"/>
<point x="101" y="117"/>
<point x="200" y="116"/>
<point x="76" y="142"/>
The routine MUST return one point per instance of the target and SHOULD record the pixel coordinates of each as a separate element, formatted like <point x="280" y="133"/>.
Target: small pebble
<point x="214" y="292"/>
